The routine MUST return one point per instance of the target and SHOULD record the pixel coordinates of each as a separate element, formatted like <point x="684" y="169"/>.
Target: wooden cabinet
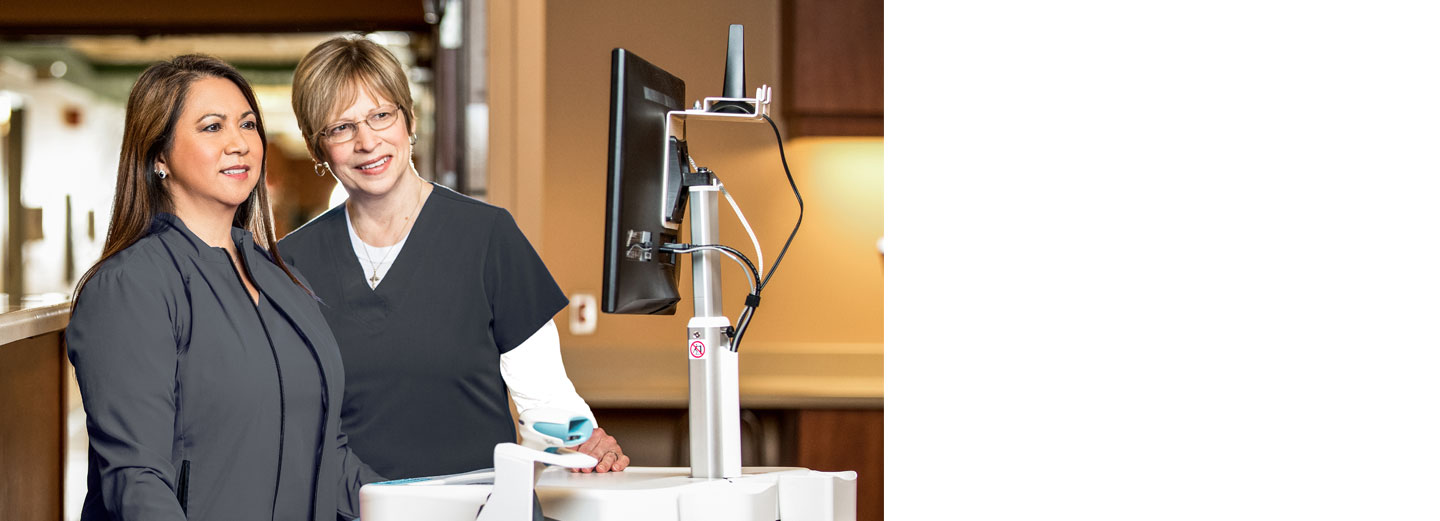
<point x="843" y="439"/>
<point x="833" y="67"/>
<point x="32" y="427"/>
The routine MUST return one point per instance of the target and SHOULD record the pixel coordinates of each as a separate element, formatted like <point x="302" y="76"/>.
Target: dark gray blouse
<point x="201" y="404"/>
<point x="303" y="416"/>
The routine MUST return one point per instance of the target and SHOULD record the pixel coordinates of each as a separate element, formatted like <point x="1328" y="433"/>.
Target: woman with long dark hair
<point x="211" y="383"/>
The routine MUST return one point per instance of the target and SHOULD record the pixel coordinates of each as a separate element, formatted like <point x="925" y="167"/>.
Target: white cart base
<point x="648" y="493"/>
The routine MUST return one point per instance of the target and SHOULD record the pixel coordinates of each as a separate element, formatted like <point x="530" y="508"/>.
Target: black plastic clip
<point x="703" y="177"/>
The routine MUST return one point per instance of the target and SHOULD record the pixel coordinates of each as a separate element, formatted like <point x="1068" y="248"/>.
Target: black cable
<point x="743" y="322"/>
<point x="734" y="254"/>
<point x="752" y="301"/>
<point x="780" y="143"/>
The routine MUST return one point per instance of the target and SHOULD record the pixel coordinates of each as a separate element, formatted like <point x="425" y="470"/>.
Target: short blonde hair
<point x="329" y="77"/>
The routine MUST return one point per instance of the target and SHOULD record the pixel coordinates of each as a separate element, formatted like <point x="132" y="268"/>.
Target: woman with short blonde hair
<point x="441" y="306"/>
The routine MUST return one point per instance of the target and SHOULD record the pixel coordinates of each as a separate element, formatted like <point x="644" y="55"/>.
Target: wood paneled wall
<point x="834" y="67"/>
<point x="30" y="17"/>
<point x="32" y="428"/>
<point x="836" y="439"/>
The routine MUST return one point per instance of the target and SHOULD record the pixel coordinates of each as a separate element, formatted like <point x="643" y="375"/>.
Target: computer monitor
<point x="640" y="217"/>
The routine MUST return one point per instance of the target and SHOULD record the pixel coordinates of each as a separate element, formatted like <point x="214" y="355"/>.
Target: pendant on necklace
<point x="374" y="279"/>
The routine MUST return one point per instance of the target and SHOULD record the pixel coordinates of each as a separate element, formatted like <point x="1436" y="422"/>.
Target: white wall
<point x="62" y="159"/>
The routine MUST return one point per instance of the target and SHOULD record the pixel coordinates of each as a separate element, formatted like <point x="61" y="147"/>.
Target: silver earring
<point x="327" y="168"/>
<point x="160" y="173"/>
<point x="412" y="139"/>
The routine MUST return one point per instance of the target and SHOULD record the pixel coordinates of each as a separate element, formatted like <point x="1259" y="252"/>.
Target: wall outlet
<point x="583" y="314"/>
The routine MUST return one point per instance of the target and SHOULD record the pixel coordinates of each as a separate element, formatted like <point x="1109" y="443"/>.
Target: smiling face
<point x="215" y="157"/>
<point x="373" y="162"/>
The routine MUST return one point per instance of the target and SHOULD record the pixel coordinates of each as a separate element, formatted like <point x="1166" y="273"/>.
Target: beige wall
<point x="827" y="296"/>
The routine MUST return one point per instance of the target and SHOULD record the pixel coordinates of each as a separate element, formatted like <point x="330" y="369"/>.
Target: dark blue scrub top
<point x="423" y="390"/>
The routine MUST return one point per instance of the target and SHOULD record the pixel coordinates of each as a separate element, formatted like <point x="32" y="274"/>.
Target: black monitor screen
<point x="639" y="278"/>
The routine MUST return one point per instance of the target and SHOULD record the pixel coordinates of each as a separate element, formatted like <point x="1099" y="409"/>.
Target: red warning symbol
<point x="697" y="349"/>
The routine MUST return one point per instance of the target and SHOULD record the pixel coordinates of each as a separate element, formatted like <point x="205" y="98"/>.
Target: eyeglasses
<point x="341" y="132"/>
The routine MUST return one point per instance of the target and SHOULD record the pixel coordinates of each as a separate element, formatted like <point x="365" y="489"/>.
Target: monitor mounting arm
<point x="677" y="155"/>
<point x="713" y="364"/>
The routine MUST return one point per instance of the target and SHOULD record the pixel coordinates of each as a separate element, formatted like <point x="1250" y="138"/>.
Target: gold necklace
<point x="365" y="248"/>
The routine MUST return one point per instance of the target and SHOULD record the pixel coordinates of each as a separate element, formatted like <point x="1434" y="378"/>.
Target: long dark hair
<point x="150" y="115"/>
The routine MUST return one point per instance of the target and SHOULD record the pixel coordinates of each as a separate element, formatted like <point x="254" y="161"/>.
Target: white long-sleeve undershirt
<point x="536" y="375"/>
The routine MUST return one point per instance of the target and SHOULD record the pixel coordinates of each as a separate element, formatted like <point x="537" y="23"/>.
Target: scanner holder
<point x="517" y="468"/>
